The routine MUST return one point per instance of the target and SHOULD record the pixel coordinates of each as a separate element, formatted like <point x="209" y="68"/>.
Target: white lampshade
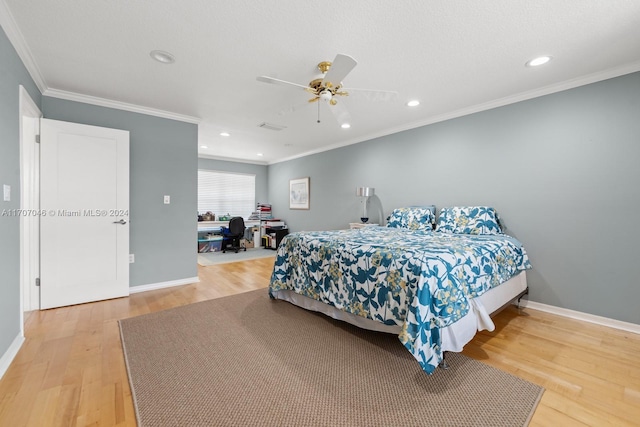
<point x="365" y="191"/>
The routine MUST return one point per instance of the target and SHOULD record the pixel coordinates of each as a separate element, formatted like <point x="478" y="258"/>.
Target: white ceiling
<point x="456" y="57"/>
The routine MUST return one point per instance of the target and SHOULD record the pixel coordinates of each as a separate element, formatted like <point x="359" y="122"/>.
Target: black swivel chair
<point x="233" y="234"/>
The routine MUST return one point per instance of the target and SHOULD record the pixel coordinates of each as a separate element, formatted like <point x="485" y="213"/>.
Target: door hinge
<point x="37" y="139"/>
<point x="38" y="281"/>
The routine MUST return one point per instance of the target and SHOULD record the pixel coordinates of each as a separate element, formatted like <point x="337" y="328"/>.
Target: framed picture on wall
<point x="299" y="193"/>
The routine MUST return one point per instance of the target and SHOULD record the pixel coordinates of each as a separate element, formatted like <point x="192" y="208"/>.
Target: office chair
<point x="233" y="234"/>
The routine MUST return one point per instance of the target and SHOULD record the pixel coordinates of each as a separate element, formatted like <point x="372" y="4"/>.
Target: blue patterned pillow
<point x="414" y="218"/>
<point x="469" y="220"/>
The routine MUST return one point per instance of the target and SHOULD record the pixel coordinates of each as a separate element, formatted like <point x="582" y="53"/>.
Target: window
<point x="224" y="193"/>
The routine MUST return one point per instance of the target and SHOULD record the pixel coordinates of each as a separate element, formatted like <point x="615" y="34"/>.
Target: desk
<point x="210" y="234"/>
<point x="218" y="224"/>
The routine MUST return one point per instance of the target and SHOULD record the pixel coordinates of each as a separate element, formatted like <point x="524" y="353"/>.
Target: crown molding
<point x="231" y="159"/>
<point x="523" y="96"/>
<point x="16" y="38"/>
<point x="103" y="102"/>
<point x="536" y="93"/>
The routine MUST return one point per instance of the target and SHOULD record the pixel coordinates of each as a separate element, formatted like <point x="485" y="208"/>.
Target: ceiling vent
<point x="271" y="126"/>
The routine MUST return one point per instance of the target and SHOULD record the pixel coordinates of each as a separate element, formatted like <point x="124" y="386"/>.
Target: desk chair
<point x="233" y="234"/>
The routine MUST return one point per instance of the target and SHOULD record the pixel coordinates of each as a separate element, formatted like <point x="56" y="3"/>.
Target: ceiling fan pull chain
<point x="318" y="112"/>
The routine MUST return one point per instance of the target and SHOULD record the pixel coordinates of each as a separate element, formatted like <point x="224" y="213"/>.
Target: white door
<point x="84" y="213"/>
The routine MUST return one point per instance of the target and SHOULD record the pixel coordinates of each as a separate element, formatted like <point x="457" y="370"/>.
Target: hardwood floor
<point x="70" y="370"/>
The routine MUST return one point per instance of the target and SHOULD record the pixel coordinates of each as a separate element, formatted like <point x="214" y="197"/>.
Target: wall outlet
<point x="132" y="258"/>
<point x="167" y="200"/>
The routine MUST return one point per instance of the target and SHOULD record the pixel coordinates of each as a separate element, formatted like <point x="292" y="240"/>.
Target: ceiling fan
<point x="328" y="86"/>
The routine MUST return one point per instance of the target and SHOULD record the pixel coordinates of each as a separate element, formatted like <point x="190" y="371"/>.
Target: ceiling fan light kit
<point x="325" y="95"/>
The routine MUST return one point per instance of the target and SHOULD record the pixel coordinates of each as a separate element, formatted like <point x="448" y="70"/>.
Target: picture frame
<point x="299" y="193"/>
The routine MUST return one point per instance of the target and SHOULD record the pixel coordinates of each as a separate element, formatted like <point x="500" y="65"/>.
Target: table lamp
<point x="365" y="193"/>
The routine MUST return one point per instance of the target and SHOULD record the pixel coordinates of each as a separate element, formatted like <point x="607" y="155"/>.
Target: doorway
<point x="74" y="185"/>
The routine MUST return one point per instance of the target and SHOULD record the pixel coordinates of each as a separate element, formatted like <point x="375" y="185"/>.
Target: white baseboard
<point x="13" y="349"/>
<point x="585" y="317"/>
<point x="163" y="285"/>
<point x="10" y="354"/>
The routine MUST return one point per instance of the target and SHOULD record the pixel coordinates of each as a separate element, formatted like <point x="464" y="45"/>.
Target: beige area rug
<point x="245" y="360"/>
<point x="214" y="258"/>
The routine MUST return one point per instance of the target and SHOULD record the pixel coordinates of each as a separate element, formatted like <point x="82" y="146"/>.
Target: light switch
<point x="6" y="189"/>
<point x="167" y="200"/>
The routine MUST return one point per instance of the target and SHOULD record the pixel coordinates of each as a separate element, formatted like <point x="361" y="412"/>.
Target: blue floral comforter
<point x="419" y="280"/>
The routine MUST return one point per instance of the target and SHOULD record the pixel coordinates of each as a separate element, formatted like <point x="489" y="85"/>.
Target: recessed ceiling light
<point x="225" y="134"/>
<point x="260" y="154"/>
<point x="345" y="126"/>
<point x="204" y="146"/>
<point x="538" y="61"/>
<point x="162" y="56"/>
<point x="413" y="103"/>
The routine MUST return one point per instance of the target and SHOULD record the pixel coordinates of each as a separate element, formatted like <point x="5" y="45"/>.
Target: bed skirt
<point x="454" y="337"/>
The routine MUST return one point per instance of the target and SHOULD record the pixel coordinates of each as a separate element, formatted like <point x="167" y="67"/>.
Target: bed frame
<point x="454" y="336"/>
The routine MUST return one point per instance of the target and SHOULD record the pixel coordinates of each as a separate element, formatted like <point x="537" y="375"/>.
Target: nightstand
<point x="356" y="225"/>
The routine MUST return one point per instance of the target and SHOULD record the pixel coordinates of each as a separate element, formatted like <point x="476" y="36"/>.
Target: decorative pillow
<point x="413" y="218"/>
<point x="469" y="220"/>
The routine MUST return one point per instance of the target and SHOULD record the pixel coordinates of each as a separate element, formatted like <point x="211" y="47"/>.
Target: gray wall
<point x="12" y="74"/>
<point x="562" y="171"/>
<point x="163" y="161"/>
<point x="260" y="171"/>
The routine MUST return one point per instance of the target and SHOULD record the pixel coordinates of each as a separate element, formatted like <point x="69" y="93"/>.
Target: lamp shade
<point x="365" y="191"/>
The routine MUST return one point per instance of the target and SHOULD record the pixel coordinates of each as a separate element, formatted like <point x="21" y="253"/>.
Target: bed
<point x="434" y="288"/>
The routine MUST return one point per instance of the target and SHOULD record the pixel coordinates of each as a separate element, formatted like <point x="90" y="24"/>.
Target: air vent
<point x="271" y="126"/>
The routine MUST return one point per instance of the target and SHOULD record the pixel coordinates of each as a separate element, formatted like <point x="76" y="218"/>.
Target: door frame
<point x="29" y="203"/>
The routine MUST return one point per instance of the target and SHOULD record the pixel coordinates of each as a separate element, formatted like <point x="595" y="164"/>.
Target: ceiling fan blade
<point x="340" y="112"/>
<point x="271" y="80"/>
<point x="371" y="94"/>
<point x="341" y="66"/>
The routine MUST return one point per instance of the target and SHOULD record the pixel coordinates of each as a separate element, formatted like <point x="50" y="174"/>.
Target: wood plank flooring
<point x="71" y="372"/>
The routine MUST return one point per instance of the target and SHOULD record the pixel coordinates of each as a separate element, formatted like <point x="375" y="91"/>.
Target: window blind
<point x="226" y="193"/>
